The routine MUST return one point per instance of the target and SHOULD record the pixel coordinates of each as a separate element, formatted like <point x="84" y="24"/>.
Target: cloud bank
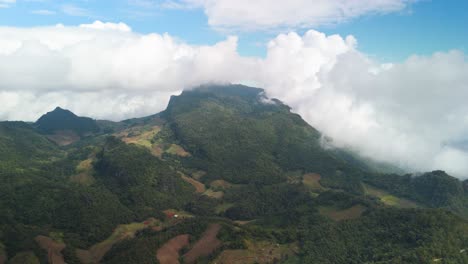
<point x="408" y="113"/>
<point x="268" y="14"/>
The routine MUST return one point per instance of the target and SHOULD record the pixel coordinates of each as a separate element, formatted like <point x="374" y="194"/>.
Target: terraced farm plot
<point x="346" y="214"/>
<point x="169" y="252"/>
<point x="389" y="199"/>
<point x="257" y="252"/>
<point x="53" y="248"/>
<point x="122" y="232"/>
<point x="207" y="244"/>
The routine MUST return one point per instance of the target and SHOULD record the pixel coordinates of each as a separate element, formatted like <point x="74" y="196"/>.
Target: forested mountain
<point x="223" y="175"/>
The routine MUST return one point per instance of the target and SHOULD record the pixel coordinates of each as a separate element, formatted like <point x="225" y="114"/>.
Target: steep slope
<point x="258" y="173"/>
<point x="235" y="133"/>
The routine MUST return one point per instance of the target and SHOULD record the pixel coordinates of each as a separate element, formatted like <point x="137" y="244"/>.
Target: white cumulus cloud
<point x="267" y="14"/>
<point x="407" y="112"/>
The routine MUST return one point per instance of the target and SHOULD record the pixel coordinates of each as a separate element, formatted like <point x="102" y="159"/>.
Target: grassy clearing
<point x="199" y="187"/>
<point x="346" y="214"/>
<point x="177" y="150"/>
<point x="257" y="252"/>
<point x="169" y="252"/>
<point x="223" y="207"/>
<point x="122" y="232"/>
<point x="85" y="173"/>
<point x="221" y="184"/>
<point x="139" y="135"/>
<point x="389" y="199"/>
<point x="214" y="194"/>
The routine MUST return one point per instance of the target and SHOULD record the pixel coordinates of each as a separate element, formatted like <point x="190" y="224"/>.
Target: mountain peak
<point x="64" y="120"/>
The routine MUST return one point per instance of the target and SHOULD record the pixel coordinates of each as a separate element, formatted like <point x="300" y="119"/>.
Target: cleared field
<point x="198" y="175"/>
<point x="64" y="138"/>
<point x="122" y="232"/>
<point x="139" y="135"/>
<point x="312" y="180"/>
<point x="346" y="214"/>
<point x="389" y="199"/>
<point x="257" y="252"/>
<point x="180" y="214"/>
<point x="53" y="248"/>
<point x="169" y="252"/>
<point x="85" y="171"/>
<point x="220" y="184"/>
<point x="205" y="245"/>
<point x="214" y="194"/>
<point x="177" y="150"/>
<point x="199" y="187"/>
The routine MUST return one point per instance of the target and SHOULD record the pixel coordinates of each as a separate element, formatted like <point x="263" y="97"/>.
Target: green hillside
<point x="222" y="174"/>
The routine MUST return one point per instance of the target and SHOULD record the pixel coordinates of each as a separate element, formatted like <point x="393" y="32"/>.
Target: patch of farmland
<point x="206" y="245"/>
<point x="389" y="199"/>
<point x="199" y="187"/>
<point x="346" y="214"/>
<point x="122" y="232"/>
<point x="214" y="194"/>
<point x="262" y="252"/>
<point x="312" y="180"/>
<point x="53" y="247"/>
<point x="169" y="252"/>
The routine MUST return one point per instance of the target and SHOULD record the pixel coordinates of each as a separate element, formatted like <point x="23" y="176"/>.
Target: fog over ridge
<point x="408" y="113"/>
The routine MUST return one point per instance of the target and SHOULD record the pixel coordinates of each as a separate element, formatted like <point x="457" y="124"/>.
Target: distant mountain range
<point x="223" y="175"/>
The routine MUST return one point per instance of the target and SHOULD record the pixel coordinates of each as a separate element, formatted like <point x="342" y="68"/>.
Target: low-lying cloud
<point x="408" y="113"/>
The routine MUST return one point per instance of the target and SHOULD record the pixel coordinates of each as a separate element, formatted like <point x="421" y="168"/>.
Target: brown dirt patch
<point x="64" y="138"/>
<point x="221" y="184"/>
<point x="3" y="258"/>
<point x="199" y="187"/>
<point x="205" y="246"/>
<point x="257" y="252"/>
<point x="83" y="178"/>
<point x="53" y="249"/>
<point x="312" y="180"/>
<point x="346" y="214"/>
<point x="169" y="252"/>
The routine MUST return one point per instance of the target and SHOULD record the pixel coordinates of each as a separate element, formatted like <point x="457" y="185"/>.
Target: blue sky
<point x="422" y="28"/>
